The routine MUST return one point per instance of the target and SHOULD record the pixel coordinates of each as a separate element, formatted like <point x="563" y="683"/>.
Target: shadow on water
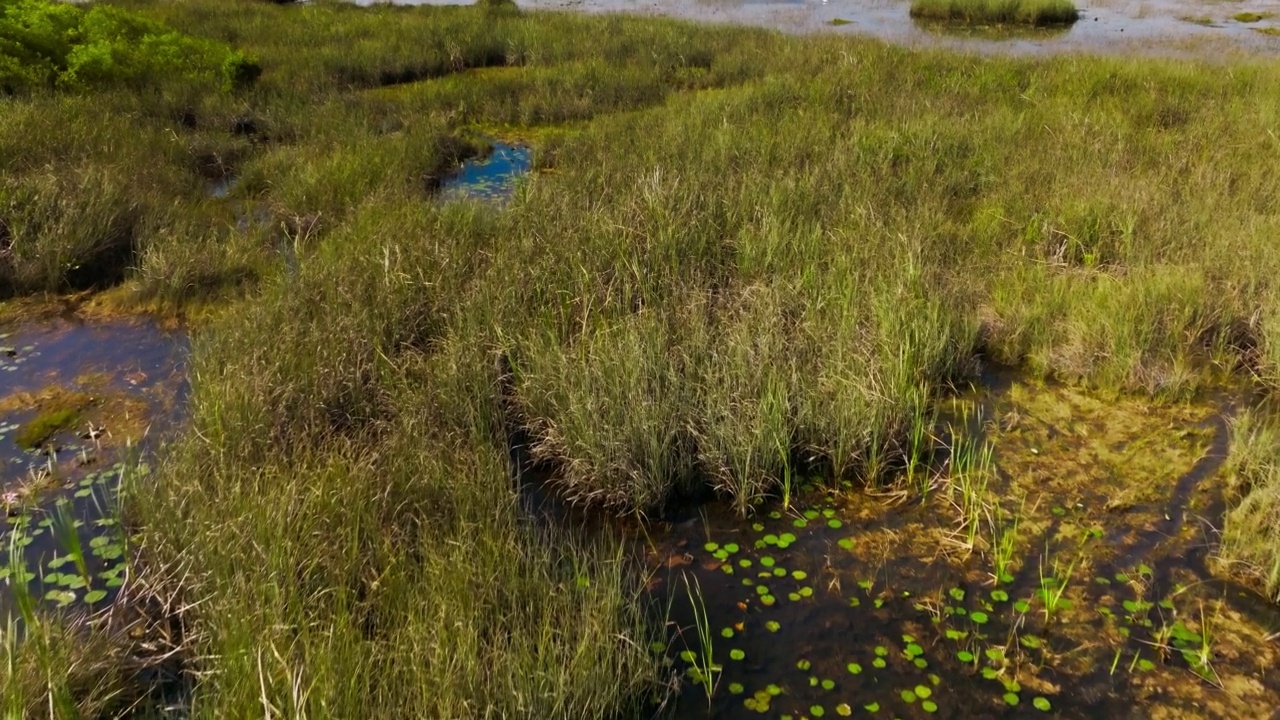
<point x="80" y="404"/>
<point x="991" y="33"/>
<point x="1082" y="591"/>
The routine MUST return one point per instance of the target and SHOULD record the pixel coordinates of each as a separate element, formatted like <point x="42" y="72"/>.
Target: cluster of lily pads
<point x="12" y="357"/>
<point x="68" y="550"/>
<point x="1004" y="631"/>
<point x="995" y="634"/>
<point x="998" y="632"/>
<point x="764" y="563"/>
<point x="1155" y="629"/>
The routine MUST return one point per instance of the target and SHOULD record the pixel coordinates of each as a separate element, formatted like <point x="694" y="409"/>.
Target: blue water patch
<point x="492" y="177"/>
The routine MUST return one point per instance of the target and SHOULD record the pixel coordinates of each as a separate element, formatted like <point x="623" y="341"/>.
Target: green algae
<point x="43" y="426"/>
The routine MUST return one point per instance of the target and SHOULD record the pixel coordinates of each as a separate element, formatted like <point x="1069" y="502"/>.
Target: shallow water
<point x="125" y="381"/>
<point x="221" y="188"/>
<point x="1169" y="27"/>
<point x="492" y="177"/>
<point x="847" y="602"/>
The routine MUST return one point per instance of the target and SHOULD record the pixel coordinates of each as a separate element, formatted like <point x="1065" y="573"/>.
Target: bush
<point x="52" y="44"/>
<point x="239" y="71"/>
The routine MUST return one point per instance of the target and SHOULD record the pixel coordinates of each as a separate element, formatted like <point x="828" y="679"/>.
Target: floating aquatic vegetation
<point x="1002" y="612"/>
<point x="492" y="177"/>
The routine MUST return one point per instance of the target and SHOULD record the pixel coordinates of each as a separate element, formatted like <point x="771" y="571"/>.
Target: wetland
<point x="493" y="361"/>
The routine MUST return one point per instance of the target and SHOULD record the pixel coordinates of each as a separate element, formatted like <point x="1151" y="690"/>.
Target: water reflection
<point x="492" y="177"/>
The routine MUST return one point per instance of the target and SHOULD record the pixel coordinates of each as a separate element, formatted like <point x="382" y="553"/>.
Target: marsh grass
<point x="52" y="668"/>
<point x="972" y="469"/>
<point x="1023" y="12"/>
<point x="392" y="561"/>
<point x="1250" y="544"/>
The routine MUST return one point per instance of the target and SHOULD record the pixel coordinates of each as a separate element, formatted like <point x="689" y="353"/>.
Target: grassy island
<point x="1039" y="13"/>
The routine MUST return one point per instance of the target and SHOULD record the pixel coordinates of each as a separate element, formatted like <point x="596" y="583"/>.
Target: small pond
<point x="80" y="402"/>
<point x="490" y="177"/>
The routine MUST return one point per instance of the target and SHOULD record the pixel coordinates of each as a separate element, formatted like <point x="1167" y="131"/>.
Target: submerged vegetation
<point x="743" y="259"/>
<point x="43" y="425"/>
<point x="1021" y="12"/>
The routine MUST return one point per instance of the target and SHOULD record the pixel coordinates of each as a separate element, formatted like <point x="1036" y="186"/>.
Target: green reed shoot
<point x="920" y="441"/>
<point x="1200" y="659"/>
<point x="705" y="669"/>
<point x="1004" y="543"/>
<point x="19" y="581"/>
<point x="784" y="460"/>
<point x="1054" y="586"/>
<point x="972" y="465"/>
<point x="64" y="529"/>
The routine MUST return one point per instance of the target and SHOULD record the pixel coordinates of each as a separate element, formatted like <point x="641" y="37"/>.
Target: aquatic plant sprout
<point x="702" y="664"/>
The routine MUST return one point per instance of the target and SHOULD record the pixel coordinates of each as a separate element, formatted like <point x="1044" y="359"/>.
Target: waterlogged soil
<point x="491" y="177"/>
<point x="1065" y="576"/>
<point x="112" y="388"/>
<point x="1203" y="28"/>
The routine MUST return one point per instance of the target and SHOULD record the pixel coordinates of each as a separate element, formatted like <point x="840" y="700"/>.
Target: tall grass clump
<point x="57" y="667"/>
<point x="613" y="410"/>
<point x="745" y="419"/>
<point x="64" y="665"/>
<point x="390" y="572"/>
<point x="1251" y="536"/>
<point x="974" y="12"/>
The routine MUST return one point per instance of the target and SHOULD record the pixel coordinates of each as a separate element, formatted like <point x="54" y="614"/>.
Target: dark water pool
<point x="1082" y="591"/>
<point x="122" y="384"/>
